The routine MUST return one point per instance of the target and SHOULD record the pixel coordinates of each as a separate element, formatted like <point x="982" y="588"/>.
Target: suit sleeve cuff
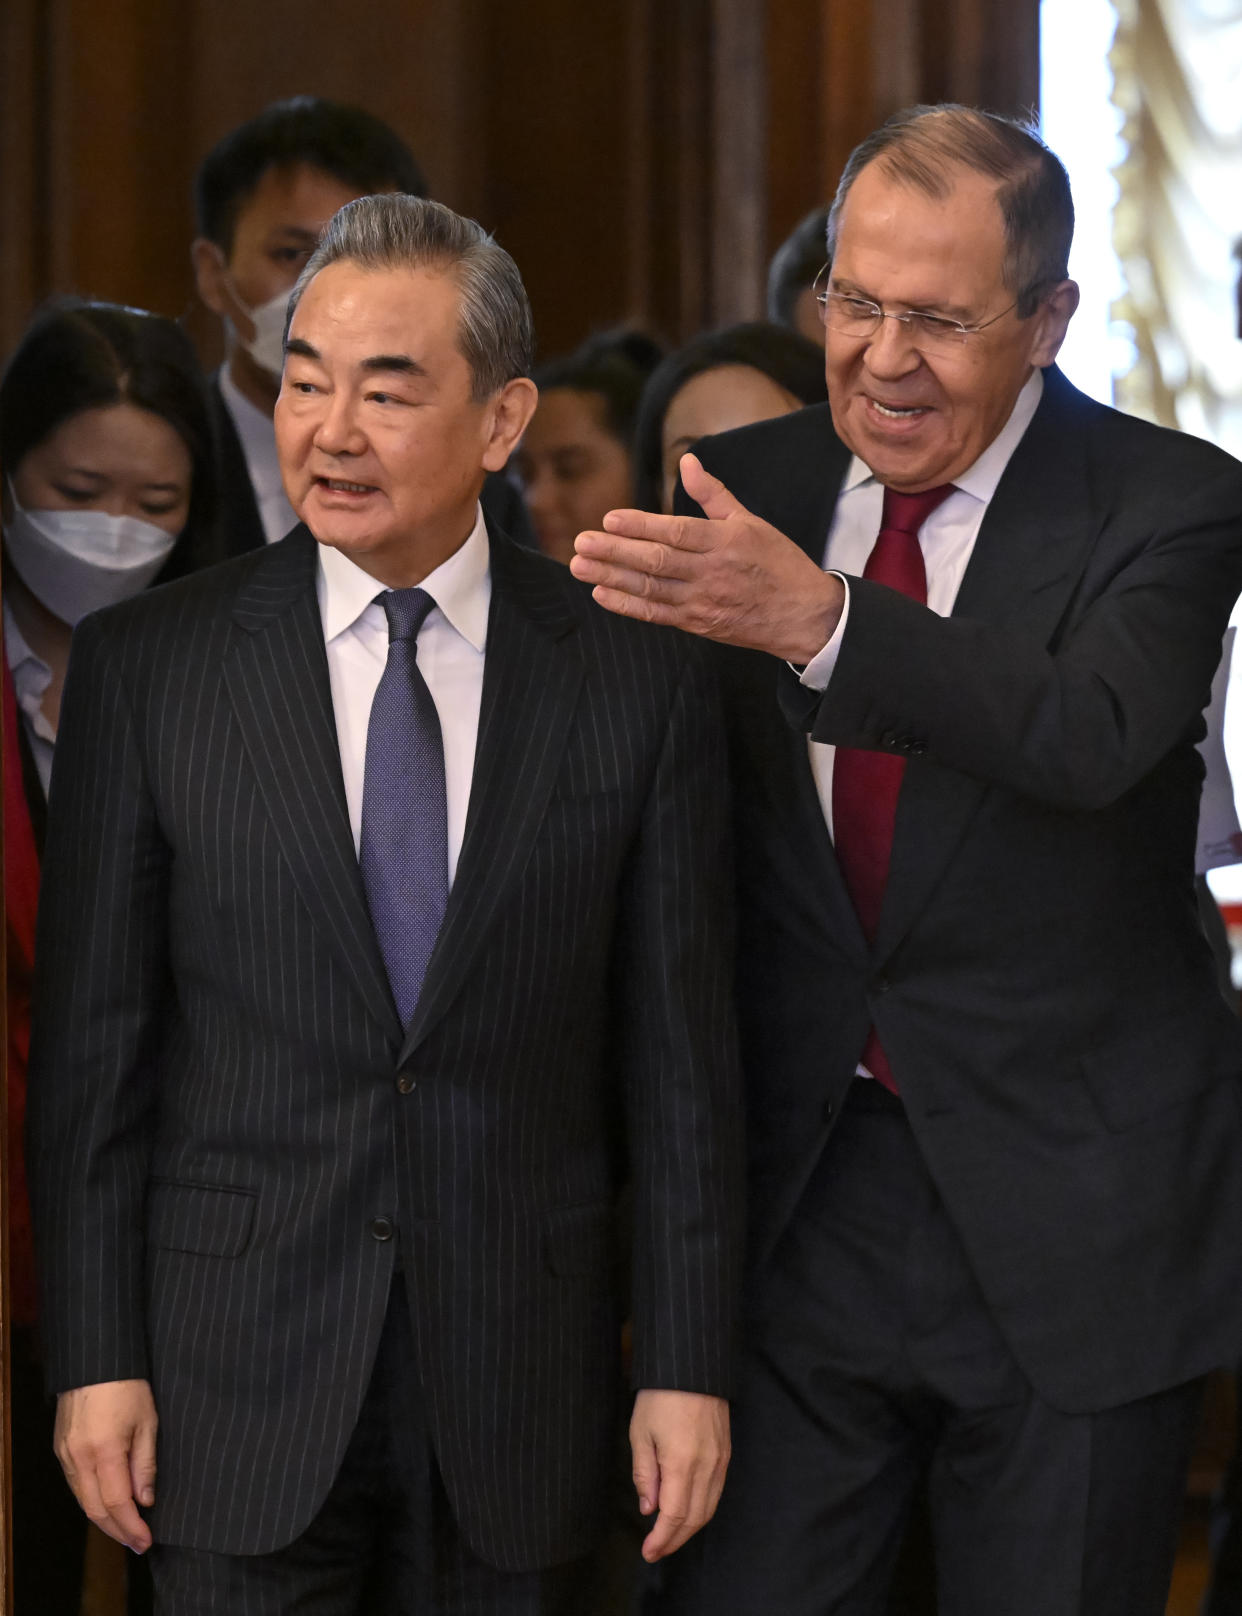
<point x="819" y="669"/>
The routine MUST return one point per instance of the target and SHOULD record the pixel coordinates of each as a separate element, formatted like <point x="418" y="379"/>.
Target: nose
<point x="891" y="351"/>
<point x="337" y="431"/>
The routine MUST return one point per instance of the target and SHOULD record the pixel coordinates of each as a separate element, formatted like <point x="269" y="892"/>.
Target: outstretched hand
<point x="727" y="575"/>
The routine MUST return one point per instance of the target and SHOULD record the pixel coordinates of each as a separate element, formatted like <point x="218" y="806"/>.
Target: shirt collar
<point x="979" y="480"/>
<point x="256" y="433"/>
<point x="24" y="664"/>
<point x="461" y="587"/>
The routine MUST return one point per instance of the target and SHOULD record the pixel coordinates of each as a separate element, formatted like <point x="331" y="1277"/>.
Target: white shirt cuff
<point x="819" y="669"/>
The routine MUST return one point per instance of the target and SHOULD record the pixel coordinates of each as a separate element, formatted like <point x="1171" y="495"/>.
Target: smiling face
<point x="116" y="458"/>
<point x="382" y="446"/>
<point x="921" y="419"/>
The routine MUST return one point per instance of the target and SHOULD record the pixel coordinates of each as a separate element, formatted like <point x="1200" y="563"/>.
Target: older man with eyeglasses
<point x="969" y="620"/>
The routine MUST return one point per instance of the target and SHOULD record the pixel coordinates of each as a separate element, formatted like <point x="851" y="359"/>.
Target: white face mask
<point x="74" y="562"/>
<point x="267" y="349"/>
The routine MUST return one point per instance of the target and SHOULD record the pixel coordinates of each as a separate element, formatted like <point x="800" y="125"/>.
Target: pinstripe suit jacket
<point x="218" y="1130"/>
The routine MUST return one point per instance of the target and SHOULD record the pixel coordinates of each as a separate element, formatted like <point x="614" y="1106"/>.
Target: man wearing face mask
<point x="262" y="197"/>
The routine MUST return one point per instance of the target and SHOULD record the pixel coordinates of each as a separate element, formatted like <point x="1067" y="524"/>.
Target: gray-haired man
<point x="1005" y="1254"/>
<point x="382" y="922"/>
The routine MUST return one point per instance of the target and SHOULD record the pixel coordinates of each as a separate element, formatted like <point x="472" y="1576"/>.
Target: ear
<point x="510" y="412"/>
<point x="1052" y="322"/>
<point x="209" y="274"/>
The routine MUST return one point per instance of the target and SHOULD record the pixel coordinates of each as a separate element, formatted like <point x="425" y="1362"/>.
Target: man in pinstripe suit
<point x="358" y="1265"/>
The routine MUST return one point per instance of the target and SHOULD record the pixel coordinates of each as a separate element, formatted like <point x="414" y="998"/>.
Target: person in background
<point x="262" y="197"/>
<point x="791" y="277"/>
<point x="576" y="460"/>
<point x="105" y="442"/>
<point x="719" y="380"/>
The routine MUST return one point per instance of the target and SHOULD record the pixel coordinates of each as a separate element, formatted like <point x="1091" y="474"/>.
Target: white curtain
<point x="1178" y="72"/>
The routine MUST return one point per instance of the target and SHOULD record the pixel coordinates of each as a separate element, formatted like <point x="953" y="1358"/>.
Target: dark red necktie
<point x="865" y="784"/>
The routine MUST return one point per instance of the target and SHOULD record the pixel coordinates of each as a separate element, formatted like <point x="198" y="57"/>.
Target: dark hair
<point x="790" y="360"/>
<point x="921" y="147"/>
<point x="496" y="332"/>
<point x="77" y="356"/>
<point x="351" y="145"/>
<point x="795" y="264"/>
<point x="614" y="365"/>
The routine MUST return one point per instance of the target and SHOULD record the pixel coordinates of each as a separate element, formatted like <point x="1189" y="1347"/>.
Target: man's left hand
<point x="680" y="1444"/>
<point x="728" y="575"/>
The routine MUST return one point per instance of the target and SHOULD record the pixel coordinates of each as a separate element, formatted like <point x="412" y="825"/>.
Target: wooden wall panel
<point x="640" y="157"/>
<point x="23" y="161"/>
<point x="737" y="132"/>
<point x="557" y="130"/>
<point x="118" y="151"/>
<point x="835" y="72"/>
<point x="416" y="65"/>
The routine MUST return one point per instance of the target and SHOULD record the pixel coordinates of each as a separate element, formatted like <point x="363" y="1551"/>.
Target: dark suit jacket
<point x="218" y="1127"/>
<point x="1040" y="979"/>
<point x="239" y="527"/>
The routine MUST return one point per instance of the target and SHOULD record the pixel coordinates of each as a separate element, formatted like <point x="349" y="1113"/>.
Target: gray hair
<point x="921" y="147"/>
<point x="495" y="331"/>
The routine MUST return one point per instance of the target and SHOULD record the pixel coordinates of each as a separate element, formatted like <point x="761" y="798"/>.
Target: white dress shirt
<point x="31" y="677"/>
<point x="256" y="433"/>
<point x="451" y="648"/>
<point x="946" y="538"/>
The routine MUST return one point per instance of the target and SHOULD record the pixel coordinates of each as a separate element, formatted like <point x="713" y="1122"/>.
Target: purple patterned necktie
<point x="404" y="844"/>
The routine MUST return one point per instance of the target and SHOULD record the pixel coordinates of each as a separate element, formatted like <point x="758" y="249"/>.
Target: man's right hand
<point x="105" y="1441"/>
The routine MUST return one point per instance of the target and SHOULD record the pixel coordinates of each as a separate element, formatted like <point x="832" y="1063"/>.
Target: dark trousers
<point x="873" y="1365"/>
<point x="384" y="1543"/>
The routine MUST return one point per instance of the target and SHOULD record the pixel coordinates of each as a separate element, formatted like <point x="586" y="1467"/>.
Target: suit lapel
<point x="1032" y="547"/>
<point x="532" y="678"/>
<point x="277" y="677"/>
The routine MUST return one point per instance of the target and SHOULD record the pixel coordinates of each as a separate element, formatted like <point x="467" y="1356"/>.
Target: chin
<point x="340" y="537"/>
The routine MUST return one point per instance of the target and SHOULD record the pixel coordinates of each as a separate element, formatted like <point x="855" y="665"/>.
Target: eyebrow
<point x="401" y="364"/>
<point x="94" y="476"/>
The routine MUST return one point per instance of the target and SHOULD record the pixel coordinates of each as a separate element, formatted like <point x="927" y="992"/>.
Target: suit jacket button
<point x="882" y="984"/>
<point x="916" y="748"/>
<point x="381" y="1229"/>
<point x="405" y="1084"/>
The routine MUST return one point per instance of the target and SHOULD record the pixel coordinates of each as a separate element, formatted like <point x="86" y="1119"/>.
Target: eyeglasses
<point x="860" y="317"/>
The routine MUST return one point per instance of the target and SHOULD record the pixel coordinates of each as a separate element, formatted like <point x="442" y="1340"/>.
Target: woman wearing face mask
<point x="105" y="446"/>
